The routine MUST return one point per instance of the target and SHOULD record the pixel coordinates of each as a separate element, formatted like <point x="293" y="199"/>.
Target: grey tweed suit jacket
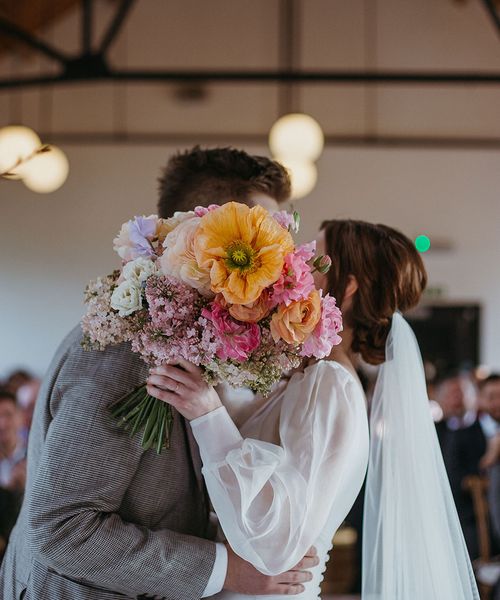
<point x="102" y="518"/>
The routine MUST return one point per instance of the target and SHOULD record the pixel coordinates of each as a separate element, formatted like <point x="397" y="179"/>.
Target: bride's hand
<point x="183" y="387"/>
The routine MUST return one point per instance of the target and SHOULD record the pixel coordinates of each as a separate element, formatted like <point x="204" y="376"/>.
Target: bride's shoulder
<point x="329" y="375"/>
<point x="330" y="369"/>
<point x="323" y="390"/>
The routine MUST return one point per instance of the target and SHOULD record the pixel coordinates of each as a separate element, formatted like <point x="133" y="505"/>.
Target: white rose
<point x="127" y="298"/>
<point x="138" y="270"/>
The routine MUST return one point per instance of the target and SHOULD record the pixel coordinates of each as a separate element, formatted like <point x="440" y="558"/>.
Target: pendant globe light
<point x="42" y="168"/>
<point x="296" y="139"/>
<point x="303" y="176"/>
<point x="17" y="144"/>
<point x="45" y="172"/>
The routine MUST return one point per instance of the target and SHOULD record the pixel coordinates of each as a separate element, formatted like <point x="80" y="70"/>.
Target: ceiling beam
<point x="11" y="30"/>
<point x="494" y="11"/>
<point x="92" y="72"/>
<point x="115" y="25"/>
<point x="159" y="138"/>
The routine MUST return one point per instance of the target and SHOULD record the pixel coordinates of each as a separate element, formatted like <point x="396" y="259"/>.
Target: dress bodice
<point x="288" y="478"/>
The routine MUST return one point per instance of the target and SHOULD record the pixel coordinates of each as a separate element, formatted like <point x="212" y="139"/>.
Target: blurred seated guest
<point x="12" y="446"/>
<point x="463" y="444"/>
<point x="9" y="508"/>
<point x="26" y="399"/>
<point x="490" y="404"/>
<point x="16" y="379"/>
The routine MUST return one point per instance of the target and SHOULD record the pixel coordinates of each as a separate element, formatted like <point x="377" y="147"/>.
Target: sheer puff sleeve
<point x="273" y="500"/>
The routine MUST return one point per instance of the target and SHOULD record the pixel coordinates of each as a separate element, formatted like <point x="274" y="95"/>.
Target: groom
<point x="102" y="518"/>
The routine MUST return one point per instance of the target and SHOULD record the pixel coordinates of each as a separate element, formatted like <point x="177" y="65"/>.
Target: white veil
<point x="413" y="546"/>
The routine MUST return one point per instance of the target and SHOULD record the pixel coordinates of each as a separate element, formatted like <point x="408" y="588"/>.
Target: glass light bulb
<point x="46" y="172"/>
<point x="303" y="175"/>
<point x="297" y="137"/>
<point x="16" y="143"/>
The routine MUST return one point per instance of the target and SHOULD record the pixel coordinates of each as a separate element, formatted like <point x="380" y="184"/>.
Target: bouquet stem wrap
<point x="137" y="411"/>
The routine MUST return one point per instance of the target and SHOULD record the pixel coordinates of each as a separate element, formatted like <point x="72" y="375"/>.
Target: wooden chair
<point x="3" y="545"/>
<point x="486" y="568"/>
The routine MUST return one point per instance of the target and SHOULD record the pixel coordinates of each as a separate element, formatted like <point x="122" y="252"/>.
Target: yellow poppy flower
<point x="244" y="248"/>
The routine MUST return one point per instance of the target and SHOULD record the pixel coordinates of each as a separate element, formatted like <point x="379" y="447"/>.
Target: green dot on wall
<point x="422" y="243"/>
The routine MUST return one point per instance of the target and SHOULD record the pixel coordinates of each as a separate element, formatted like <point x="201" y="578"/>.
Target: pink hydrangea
<point x="296" y="281"/>
<point x="235" y="339"/>
<point x="326" y="334"/>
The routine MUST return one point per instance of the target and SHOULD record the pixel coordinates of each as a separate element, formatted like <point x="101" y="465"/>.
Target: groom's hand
<point x="243" y="578"/>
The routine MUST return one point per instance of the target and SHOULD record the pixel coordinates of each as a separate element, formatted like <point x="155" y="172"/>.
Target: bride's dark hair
<point x="390" y="273"/>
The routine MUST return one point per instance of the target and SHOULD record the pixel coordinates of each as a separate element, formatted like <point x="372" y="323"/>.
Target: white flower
<point x="138" y="270"/>
<point x="127" y="298"/>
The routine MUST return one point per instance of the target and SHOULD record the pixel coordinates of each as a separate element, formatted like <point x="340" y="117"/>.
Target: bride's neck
<point x="343" y="353"/>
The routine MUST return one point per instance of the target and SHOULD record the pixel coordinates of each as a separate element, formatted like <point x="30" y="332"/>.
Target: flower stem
<point x="138" y="410"/>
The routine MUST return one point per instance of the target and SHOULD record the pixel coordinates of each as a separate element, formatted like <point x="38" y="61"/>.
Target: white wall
<point x="51" y="245"/>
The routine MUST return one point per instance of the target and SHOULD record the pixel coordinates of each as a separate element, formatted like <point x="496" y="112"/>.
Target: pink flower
<point x="170" y="327"/>
<point x="326" y="333"/>
<point x="284" y="218"/>
<point x="296" y="281"/>
<point x="235" y="339"/>
<point x="288" y="221"/>
<point x="201" y="211"/>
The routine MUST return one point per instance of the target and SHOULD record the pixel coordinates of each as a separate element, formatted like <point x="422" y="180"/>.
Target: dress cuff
<point x="219" y="572"/>
<point x="216" y="435"/>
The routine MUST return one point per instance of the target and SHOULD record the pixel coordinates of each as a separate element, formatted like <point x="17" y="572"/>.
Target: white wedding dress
<point x="288" y="478"/>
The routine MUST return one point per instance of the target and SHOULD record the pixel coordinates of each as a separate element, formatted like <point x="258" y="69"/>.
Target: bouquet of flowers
<point x="224" y="287"/>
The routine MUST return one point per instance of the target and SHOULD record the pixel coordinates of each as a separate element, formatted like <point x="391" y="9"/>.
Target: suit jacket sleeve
<point x="85" y="468"/>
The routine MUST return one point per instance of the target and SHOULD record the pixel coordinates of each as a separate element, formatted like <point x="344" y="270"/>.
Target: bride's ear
<point x="351" y="287"/>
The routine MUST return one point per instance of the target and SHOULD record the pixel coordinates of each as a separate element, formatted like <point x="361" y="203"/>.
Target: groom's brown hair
<point x="200" y="177"/>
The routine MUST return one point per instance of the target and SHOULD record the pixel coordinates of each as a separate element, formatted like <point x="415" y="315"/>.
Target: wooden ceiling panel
<point x="32" y="16"/>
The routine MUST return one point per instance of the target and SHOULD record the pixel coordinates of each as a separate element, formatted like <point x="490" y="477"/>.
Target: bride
<point x="286" y="479"/>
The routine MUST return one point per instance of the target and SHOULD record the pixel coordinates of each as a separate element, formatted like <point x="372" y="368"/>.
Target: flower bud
<point x="323" y="264"/>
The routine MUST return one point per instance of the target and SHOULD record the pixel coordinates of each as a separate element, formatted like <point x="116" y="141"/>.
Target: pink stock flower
<point x="235" y="339"/>
<point x="289" y="221"/>
<point x="201" y="211"/>
<point x="296" y="281"/>
<point x="326" y="333"/>
<point x="171" y="329"/>
<point x="284" y="218"/>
